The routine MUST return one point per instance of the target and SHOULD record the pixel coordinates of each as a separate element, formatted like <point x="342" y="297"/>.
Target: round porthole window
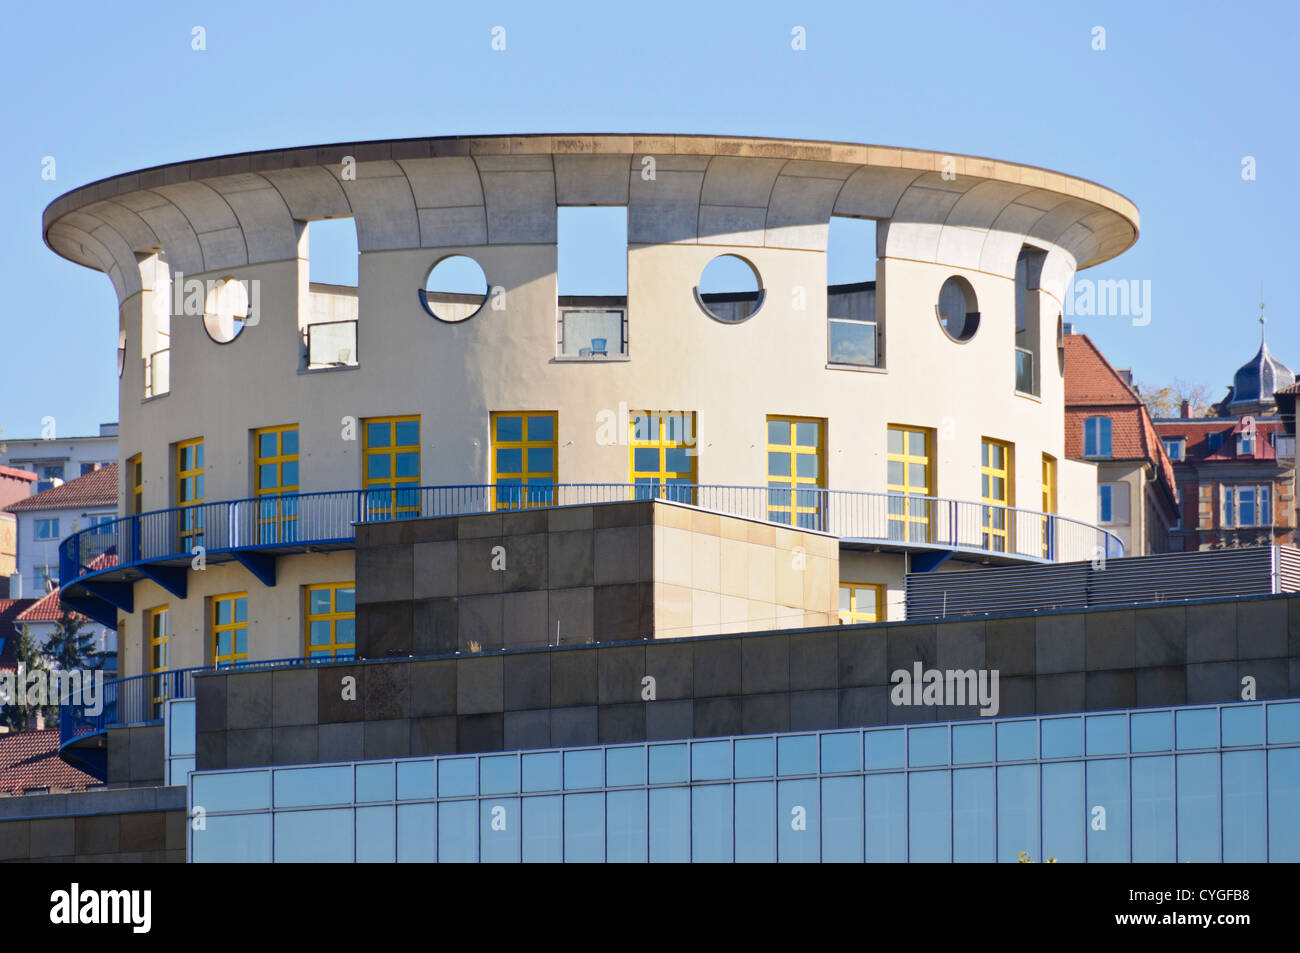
<point x="729" y="290"/>
<point x="957" y="309"/>
<point x="225" y="310"/>
<point x="455" y="289"/>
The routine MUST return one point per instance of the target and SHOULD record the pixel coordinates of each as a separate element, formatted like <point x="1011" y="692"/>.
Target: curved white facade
<point x="495" y="200"/>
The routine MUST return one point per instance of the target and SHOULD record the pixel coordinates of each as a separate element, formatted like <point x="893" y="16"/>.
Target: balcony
<point x="597" y="331"/>
<point x="331" y="344"/>
<point x="97" y="567"/>
<point x="158" y="373"/>
<point x="137" y="700"/>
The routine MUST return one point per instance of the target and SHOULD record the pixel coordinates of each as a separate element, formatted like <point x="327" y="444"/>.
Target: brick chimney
<point x="1187" y="409"/>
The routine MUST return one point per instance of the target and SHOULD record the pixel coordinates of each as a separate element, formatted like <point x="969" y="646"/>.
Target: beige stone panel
<point x="672" y="610"/>
<point x="706" y="612"/>
<point x="734" y="556"/>
<point x="733" y="614"/>
<point x="677" y="547"/>
<point x="762" y="574"/>
<point x="706" y="570"/>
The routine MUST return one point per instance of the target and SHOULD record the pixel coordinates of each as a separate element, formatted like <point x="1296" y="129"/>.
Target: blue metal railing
<point x="299" y="519"/>
<point x="138" y="699"/>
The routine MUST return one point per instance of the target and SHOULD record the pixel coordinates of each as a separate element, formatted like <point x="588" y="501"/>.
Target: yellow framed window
<point x="910" y="473"/>
<point x="135" y="485"/>
<point x="330" y="621"/>
<point x="796" y="471"/>
<point x="662" y="455"/>
<point x="1049" y="503"/>
<point x="275" y="476"/>
<point x="861" y="602"/>
<point x="996" y="477"/>
<point x="229" y="628"/>
<point x="524" y="458"/>
<point x="189" y="492"/>
<point x="158" y="630"/>
<point x="391" y="466"/>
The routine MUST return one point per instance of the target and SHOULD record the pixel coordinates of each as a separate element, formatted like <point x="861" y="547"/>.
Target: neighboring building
<point x="14" y="486"/>
<point x="41" y="619"/>
<point x="10" y="610"/>
<point x="30" y="764"/>
<point x="1107" y="424"/>
<point x="1236" y="468"/>
<point x="60" y="458"/>
<point x="86" y="503"/>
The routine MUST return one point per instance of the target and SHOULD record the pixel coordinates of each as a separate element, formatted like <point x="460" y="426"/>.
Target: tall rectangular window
<point x="229" y="628"/>
<point x="796" y="471"/>
<point x="1096" y="437"/>
<point x="158" y="630"/>
<point x="275" y="473"/>
<point x="910" y="481"/>
<point x="135" y="485"/>
<point x="189" y="492"/>
<point x="852" y="328"/>
<point x="391" y="467"/>
<point x="663" y="455"/>
<point x="591" y="280"/>
<point x="1049" y="501"/>
<point x="524" y="458"/>
<point x="1113" y="503"/>
<point x="330" y="620"/>
<point x="861" y="602"/>
<point x="997" y="472"/>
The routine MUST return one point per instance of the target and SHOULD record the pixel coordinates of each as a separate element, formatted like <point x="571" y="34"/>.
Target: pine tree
<point x="70" y="647"/>
<point x="20" y="717"/>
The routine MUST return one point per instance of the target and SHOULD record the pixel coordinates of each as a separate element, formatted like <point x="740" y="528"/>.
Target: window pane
<point x="626" y="825"/>
<point x="1197" y="728"/>
<point x="314" y="836"/>
<point x="542" y="771"/>
<point x="417" y="831"/>
<point x="798" y="821"/>
<point x="1243" y="726"/>
<point x="756" y="822"/>
<point x="1065" y="817"/>
<point x="1283" y="796"/>
<point x="1283" y="723"/>
<point x="927" y="746"/>
<point x="1152" y="731"/>
<point x="499" y="829"/>
<point x="457" y="832"/>
<point x="841" y="752"/>
<point x="1108" y="810"/>
<point x="242" y="838"/>
<point x="1106" y="734"/>
<point x="378" y="435"/>
<point x="711" y="828"/>
<point x="710" y="760"/>
<point x="625" y="766"/>
<point x="807" y="433"/>
<point x="376" y="835"/>
<point x="1018" y="812"/>
<point x="886" y="816"/>
<point x="1153" y="810"/>
<point x="972" y="808"/>
<point x="668" y="764"/>
<point x="543" y="821"/>
<point x="408" y="433"/>
<point x="1198" y="808"/>
<point x="778" y="433"/>
<point x="669" y="824"/>
<point x="584" y="769"/>
<point x="1245" y="811"/>
<point x="1062" y="737"/>
<point x="755" y="758"/>
<point x="796" y="754"/>
<point x="375" y="782"/>
<point x="841" y="820"/>
<point x="885" y="748"/>
<point x="972" y="744"/>
<point x="301" y="787"/>
<point x="415" y="779"/>
<point x="499" y="774"/>
<point x="929" y="817"/>
<point x="541" y="428"/>
<point x="1017" y="740"/>
<point x="243" y="791"/>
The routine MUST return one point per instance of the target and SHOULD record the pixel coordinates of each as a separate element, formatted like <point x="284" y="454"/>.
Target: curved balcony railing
<point x="322" y="519"/>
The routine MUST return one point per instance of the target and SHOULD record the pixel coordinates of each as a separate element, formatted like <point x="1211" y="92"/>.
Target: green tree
<point x="18" y="717"/>
<point x="71" y="646"/>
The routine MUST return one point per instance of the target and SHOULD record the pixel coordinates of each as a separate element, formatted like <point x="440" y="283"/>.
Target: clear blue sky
<point x="1164" y="115"/>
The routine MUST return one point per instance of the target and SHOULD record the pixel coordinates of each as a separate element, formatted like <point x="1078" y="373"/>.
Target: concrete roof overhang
<point x="247" y="208"/>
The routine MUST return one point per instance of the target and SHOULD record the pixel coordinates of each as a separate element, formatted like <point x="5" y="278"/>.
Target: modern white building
<point x="916" y="414"/>
<point x="86" y="503"/>
<point x="56" y="459"/>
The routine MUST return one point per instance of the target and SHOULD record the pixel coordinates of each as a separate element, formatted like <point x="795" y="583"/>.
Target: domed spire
<point x="1256" y="381"/>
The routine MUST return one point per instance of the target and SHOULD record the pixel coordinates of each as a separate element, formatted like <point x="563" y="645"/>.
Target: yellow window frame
<point x="332" y="617"/>
<point x="524" y="487"/>
<point x="402" y="498"/>
<point x="866" y="602"/>
<point x="1049" y="500"/>
<point x="997" y="521"/>
<point x="656" y="436"/>
<point x="135" y="484"/>
<point x="910" y="519"/>
<point x="233" y="626"/>
<point x="158" y="633"/>
<point x="788" y="499"/>
<point x="191" y="524"/>
<point x="276" y="518"/>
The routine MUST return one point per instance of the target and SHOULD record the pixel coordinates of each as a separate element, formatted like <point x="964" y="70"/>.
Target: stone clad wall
<point x="735" y="684"/>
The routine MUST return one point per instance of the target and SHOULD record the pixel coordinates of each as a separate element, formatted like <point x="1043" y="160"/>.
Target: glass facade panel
<point x="755" y="827"/>
<point x="1192" y="784"/>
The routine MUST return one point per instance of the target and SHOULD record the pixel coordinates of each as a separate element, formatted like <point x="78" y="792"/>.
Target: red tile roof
<point x="17" y="474"/>
<point x="10" y="609"/>
<point x="1196" y="432"/>
<point x="96" y="488"/>
<point x="46" y="609"/>
<point x="30" y="759"/>
<point x="1094" y="388"/>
